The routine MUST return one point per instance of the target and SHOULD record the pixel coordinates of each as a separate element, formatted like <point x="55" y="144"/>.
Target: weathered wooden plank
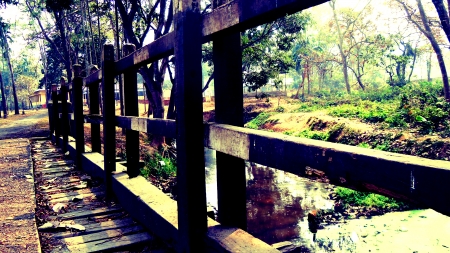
<point x="87" y="213"/>
<point x="131" y="109"/>
<point x="94" y="78"/>
<point x="56" y="120"/>
<point x="93" y="119"/>
<point x="112" y="244"/>
<point x="94" y="110"/>
<point x="154" y="51"/>
<point x="240" y="15"/>
<point x="107" y="234"/>
<point x="58" y="163"/>
<point x="75" y="193"/>
<point x="419" y="180"/>
<point x="109" y="112"/>
<point x="164" y="127"/>
<point x="55" y="170"/>
<point x="190" y="154"/>
<point x="231" y="239"/>
<point x="78" y="112"/>
<point x="229" y="107"/>
<point x="64" y="115"/>
<point x="80" y="196"/>
<point x="97" y="227"/>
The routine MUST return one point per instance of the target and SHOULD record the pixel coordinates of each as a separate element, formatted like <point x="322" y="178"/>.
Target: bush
<point x="352" y="197"/>
<point x="258" y="121"/>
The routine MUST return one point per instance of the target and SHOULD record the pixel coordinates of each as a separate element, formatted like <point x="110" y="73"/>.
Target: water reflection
<point x="273" y="212"/>
<point x="277" y="202"/>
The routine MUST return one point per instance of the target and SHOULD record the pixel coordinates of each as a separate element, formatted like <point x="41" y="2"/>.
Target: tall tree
<point x="4" y="43"/>
<point x="422" y="23"/>
<point x="351" y="28"/>
<point x="2" y="90"/>
<point x="443" y="16"/>
<point x="140" y="20"/>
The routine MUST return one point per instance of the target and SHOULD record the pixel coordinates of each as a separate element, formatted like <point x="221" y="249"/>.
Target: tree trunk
<point x="59" y="18"/>
<point x="341" y="51"/>
<point x="16" y="102"/>
<point x="2" y="89"/>
<point x="443" y="16"/>
<point x="428" y="33"/>
<point x="429" y="68"/>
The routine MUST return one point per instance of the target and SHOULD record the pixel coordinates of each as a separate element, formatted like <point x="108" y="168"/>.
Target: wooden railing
<point x="410" y="178"/>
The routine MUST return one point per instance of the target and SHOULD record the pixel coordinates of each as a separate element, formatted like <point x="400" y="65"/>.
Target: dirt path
<point x="18" y="231"/>
<point x="32" y="124"/>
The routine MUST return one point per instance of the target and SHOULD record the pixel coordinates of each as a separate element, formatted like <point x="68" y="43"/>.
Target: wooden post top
<point x="77" y="70"/>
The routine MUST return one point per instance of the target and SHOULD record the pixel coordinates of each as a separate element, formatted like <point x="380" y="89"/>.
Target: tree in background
<point x="416" y="15"/>
<point x="346" y="24"/>
<point x="4" y="43"/>
<point x="141" y="20"/>
<point x="266" y="50"/>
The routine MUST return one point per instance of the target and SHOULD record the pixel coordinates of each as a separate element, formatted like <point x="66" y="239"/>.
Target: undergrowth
<point x="367" y="199"/>
<point x="158" y="166"/>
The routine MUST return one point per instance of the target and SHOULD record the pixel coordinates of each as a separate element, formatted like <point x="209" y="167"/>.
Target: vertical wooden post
<point x="56" y="121"/>
<point x="64" y="115"/>
<point x="228" y="93"/>
<point x="192" y="219"/>
<point x="109" y="113"/>
<point x="94" y="109"/>
<point x="131" y="109"/>
<point x="77" y="102"/>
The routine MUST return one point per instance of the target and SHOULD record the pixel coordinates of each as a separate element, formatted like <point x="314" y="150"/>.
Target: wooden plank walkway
<point x="73" y="214"/>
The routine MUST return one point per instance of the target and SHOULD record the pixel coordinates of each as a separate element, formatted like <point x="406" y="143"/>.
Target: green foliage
<point x="259" y="120"/>
<point x="373" y="112"/>
<point x="316" y="135"/>
<point x="279" y="109"/>
<point x="352" y="197"/>
<point x="159" y="166"/>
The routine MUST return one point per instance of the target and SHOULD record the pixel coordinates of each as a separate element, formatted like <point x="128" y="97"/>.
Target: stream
<point x="278" y="203"/>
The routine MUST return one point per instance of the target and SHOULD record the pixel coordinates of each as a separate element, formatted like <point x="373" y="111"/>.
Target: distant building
<point x="38" y="98"/>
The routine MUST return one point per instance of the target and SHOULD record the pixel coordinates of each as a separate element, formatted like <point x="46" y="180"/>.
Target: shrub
<point x="352" y="197"/>
<point x="258" y="121"/>
<point x="158" y="166"/>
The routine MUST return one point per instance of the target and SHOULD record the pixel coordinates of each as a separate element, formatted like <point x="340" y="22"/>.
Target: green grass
<point x="352" y="197"/>
<point x="260" y="120"/>
<point x="158" y="166"/>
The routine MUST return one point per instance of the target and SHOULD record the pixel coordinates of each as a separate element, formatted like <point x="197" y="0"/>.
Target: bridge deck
<point x="73" y="213"/>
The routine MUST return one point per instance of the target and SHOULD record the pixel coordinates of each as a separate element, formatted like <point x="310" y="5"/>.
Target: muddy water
<point x="278" y="202"/>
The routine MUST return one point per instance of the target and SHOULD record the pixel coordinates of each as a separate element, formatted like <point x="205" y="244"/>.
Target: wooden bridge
<point x="185" y="223"/>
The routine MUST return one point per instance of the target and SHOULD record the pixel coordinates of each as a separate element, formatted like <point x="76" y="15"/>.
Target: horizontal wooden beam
<point x="240" y="15"/>
<point x="93" y="78"/>
<point x="162" y="127"/>
<point x="93" y="118"/>
<point x="154" y="51"/>
<point x="419" y="180"/>
<point x="235" y="16"/>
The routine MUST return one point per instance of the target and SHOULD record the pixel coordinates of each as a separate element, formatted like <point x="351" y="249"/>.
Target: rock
<point x="76" y="198"/>
<point x="403" y="229"/>
<point x="58" y="207"/>
<point x="363" y="234"/>
<point x="76" y="227"/>
<point x="354" y="237"/>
